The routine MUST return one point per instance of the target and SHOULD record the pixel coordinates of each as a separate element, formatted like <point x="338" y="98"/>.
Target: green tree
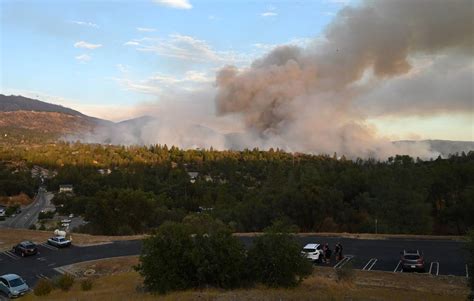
<point x="275" y="260"/>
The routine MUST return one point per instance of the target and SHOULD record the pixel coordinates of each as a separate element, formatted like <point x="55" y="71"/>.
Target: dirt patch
<point x="102" y="267"/>
<point x="10" y="237"/>
<point x="21" y="199"/>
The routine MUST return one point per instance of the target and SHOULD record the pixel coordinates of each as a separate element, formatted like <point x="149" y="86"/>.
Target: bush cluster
<point x="64" y="282"/>
<point x="200" y="252"/>
<point x="86" y="284"/>
<point x="43" y="287"/>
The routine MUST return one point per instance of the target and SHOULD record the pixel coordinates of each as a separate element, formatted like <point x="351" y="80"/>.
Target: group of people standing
<point x="327" y="252"/>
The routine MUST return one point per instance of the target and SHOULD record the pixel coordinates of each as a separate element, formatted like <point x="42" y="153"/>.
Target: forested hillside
<point x="123" y="190"/>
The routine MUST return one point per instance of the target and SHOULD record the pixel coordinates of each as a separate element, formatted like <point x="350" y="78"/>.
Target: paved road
<point x="29" y="214"/>
<point x="444" y="257"/>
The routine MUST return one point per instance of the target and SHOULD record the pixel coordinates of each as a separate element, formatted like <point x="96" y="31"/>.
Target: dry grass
<point x="20" y="199"/>
<point x="10" y="237"/>
<point x="320" y="286"/>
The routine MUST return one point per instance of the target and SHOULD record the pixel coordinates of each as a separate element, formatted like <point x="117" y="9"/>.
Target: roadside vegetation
<point x="128" y="190"/>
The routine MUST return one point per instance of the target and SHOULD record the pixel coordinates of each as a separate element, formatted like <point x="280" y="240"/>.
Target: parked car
<point x="59" y="241"/>
<point x="2" y="212"/>
<point x="25" y="248"/>
<point x="13" y="285"/>
<point x="412" y="260"/>
<point x="313" y="252"/>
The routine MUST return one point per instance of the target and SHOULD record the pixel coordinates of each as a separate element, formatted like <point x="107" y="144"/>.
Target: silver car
<point x="13" y="285"/>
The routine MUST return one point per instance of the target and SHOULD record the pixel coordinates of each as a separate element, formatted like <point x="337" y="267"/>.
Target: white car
<point x="313" y="252"/>
<point x="59" y="242"/>
<point x="2" y="212"/>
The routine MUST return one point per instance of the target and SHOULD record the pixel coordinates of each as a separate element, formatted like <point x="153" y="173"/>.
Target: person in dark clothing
<point x="338" y="251"/>
<point x="327" y="254"/>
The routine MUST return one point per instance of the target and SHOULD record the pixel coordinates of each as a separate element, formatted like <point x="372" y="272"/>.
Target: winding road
<point x="29" y="214"/>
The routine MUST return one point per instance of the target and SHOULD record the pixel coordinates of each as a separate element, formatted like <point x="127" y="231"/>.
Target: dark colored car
<point x="412" y="260"/>
<point x="25" y="248"/>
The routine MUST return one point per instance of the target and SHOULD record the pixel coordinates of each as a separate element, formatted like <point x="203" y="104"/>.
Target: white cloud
<point x="83" y="58"/>
<point x="179" y="4"/>
<point x="82" y="44"/>
<point x="146" y="29"/>
<point x="269" y="14"/>
<point x="185" y="48"/>
<point x="131" y="43"/>
<point x="88" y="24"/>
<point x="122" y="68"/>
<point x="158" y="83"/>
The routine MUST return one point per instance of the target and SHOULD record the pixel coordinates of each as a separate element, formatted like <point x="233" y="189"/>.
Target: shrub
<point x="32" y="227"/>
<point x="64" y="282"/>
<point x="43" y="287"/>
<point x="86" y="284"/>
<point x="346" y="273"/>
<point x="177" y="258"/>
<point x="275" y="260"/>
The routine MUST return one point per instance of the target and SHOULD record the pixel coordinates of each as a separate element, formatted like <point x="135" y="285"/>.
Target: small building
<point x="66" y="188"/>
<point x="193" y="175"/>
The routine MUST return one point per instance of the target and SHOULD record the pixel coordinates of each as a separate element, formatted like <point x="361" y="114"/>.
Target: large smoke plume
<point x="303" y="99"/>
<point x="317" y="99"/>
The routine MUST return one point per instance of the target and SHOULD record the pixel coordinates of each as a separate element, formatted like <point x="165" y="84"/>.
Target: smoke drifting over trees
<point x="379" y="58"/>
<point x="303" y="99"/>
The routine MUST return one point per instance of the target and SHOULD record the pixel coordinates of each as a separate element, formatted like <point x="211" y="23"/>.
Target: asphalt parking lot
<point x="442" y="257"/>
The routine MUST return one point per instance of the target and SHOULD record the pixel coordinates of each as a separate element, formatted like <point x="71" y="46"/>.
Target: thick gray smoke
<point x="305" y="99"/>
<point x="381" y="58"/>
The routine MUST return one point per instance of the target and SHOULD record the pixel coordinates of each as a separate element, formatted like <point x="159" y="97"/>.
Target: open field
<point x="10" y="237"/>
<point x="118" y="282"/>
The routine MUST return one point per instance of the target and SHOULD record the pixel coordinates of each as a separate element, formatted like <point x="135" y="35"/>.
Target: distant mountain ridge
<point x="444" y="147"/>
<point x="34" y="115"/>
<point x="14" y="103"/>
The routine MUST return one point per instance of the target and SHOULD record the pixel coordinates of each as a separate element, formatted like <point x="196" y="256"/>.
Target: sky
<point x="112" y="59"/>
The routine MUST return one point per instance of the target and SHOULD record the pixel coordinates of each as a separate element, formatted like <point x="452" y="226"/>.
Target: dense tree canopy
<point x="123" y="190"/>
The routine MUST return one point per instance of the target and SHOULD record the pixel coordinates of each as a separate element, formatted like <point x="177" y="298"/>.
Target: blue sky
<point x="107" y="58"/>
<point x="91" y="53"/>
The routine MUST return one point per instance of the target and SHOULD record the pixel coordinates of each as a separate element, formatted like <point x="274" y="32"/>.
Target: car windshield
<point x="61" y="239"/>
<point x="412" y="256"/>
<point x="309" y="250"/>
<point x="16" y="282"/>
<point x="30" y="246"/>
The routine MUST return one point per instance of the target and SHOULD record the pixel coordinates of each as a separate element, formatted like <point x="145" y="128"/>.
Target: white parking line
<point x="467" y="272"/>
<point x="370" y="264"/>
<point x="41" y="258"/>
<point x="41" y="276"/>
<point x="345" y="260"/>
<point x="431" y="267"/>
<point x="49" y="247"/>
<point x="60" y="270"/>
<point x="11" y="255"/>
<point x="396" y="268"/>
